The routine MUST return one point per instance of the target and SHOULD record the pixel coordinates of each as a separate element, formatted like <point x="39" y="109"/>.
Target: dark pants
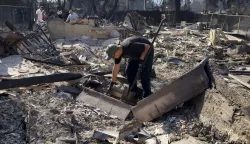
<point x="132" y="68"/>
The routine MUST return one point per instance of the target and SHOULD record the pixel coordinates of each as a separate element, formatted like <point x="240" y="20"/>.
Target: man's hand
<point x="146" y="49"/>
<point x="110" y="87"/>
<point x="141" y="63"/>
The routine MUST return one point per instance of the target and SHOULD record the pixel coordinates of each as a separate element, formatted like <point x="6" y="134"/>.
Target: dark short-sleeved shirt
<point x="132" y="47"/>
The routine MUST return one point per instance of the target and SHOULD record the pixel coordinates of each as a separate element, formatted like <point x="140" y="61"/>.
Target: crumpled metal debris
<point x="68" y="89"/>
<point x="104" y="135"/>
<point x="133" y="127"/>
<point x="134" y="21"/>
<point x="169" y="97"/>
<point x="99" y="84"/>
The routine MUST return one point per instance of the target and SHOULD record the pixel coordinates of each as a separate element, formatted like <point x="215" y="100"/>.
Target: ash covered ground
<point x="41" y="114"/>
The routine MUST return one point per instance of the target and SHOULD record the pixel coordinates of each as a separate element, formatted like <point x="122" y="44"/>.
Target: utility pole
<point x="145" y="4"/>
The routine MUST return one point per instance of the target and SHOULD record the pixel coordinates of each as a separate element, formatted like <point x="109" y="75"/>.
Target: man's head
<point x="70" y="11"/>
<point x="111" y="50"/>
<point x="41" y="8"/>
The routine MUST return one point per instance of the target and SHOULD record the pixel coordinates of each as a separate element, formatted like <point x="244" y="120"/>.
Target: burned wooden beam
<point x="46" y="61"/>
<point x="240" y="80"/>
<point x="25" y="82"/>
<point x="10" y="26"/>
<point x="237" y="72"/>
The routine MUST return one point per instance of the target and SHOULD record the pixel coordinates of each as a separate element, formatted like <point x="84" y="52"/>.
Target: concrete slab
<point x="58" y="30"/>
<point x="214" y="109"/>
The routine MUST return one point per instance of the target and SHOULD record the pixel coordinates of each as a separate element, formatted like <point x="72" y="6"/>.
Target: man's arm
<point x="117" y="65"/>
<point x="67" y="20"/>
<point x="37" y="16"/>
<point x="115" y="71"/>
<point x="144" y="53"/>
<point x="77" y="17"/>
<point x="142" y="48"/>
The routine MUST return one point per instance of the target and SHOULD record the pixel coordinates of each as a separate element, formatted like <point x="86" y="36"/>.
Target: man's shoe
<point x="139" y="94"/>
<point x="147" y="94"/>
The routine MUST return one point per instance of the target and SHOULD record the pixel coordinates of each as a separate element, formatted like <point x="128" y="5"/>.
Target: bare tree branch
<point x="103" y="9"/>
<point x="63" y="6"/>
<point x="94" y="7"/>
<point x="71" y="4"/>
<point x="109" y="15"/>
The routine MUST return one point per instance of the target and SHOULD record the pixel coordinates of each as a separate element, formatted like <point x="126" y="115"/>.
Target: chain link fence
<point x="20" y="16"/>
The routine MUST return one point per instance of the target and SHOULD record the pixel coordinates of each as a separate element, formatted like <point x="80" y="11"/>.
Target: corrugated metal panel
<point x="181" y="90"/>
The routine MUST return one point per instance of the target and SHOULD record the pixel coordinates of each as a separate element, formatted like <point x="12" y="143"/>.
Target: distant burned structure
<point x="242" y="7"/>
<point x="15" y="11"/>
<point x="124" y="5"/>
<point x="11" y="2"/>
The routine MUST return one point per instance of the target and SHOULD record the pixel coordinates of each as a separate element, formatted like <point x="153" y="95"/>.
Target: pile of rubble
<point x="51" y="113"/>
<point x="13" y="126"/>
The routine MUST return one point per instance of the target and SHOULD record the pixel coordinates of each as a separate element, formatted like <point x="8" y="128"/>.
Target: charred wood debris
<point x="42" y="80"/>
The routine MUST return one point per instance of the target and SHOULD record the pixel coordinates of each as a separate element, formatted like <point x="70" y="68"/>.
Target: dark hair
<point x="41" y="7"/>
